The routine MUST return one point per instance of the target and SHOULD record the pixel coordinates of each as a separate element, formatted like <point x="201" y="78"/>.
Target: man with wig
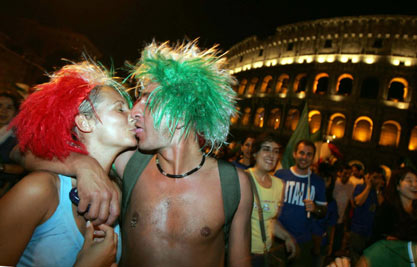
<point x="180" y="207"/>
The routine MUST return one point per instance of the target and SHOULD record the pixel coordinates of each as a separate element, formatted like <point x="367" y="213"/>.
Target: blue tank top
<point x="57" y="241"/>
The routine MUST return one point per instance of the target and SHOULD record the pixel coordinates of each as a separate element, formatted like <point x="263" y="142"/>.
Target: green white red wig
<point x="193" y="89"/>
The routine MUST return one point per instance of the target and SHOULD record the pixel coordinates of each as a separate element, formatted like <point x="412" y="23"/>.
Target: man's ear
<point x="83" y="124"/>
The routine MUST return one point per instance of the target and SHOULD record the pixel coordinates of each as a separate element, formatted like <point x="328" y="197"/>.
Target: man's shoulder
<point x="359" y="188"/>
<point x="282" y="173"/>
<point x="317" y="178"/>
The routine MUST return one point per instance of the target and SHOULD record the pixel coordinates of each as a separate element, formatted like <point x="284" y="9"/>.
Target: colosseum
<point x="357" y="76"/>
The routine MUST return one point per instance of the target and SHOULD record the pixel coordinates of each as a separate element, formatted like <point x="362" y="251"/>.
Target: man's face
<point x="149" y="137"/>
<point x="355" y="171"/>
<point x="303" y="156"/>
<point x="247" y="147"/>
<point x="377" y="180"/>
<point x="345" y="175"/>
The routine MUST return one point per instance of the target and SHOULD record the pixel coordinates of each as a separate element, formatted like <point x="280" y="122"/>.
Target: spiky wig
<point x="46" y="121"/>
<point x="193" y="89"/>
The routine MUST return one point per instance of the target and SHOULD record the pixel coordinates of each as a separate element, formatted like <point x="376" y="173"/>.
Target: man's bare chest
<point x="176" y="210"/>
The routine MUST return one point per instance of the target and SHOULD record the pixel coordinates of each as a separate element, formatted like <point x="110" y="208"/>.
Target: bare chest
<point x="175" y="210"/>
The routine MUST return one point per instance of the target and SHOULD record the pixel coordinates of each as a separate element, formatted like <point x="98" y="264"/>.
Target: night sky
<point x="120" y="28"/>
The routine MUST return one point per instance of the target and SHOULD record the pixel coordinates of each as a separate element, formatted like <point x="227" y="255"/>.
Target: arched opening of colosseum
<point x="259" y="118"/>
<point x="293" y="117"/>
<point x="314" y="121"/>
<point x="337" y="125"/>
<point x="300" y="83"/>
<point x="274" y="118"/>
<point x="282" y="84"/>
<point x="321" y="83"/>
<point x="362" y="129"/>
<point x="266" y="84"/>
<point x="246" y="116"/>
<point x="412" y="145"/>
<point x="344" y="84"/>
<point x="242" y="87"/>
<point x="235" y="118"/>
<point x="397" y="90"/>
<point x="390" y="134"/>
<point x="252" y="86"/>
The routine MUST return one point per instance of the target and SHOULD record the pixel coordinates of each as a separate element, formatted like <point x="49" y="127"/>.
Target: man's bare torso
<point x="175" y="222"/>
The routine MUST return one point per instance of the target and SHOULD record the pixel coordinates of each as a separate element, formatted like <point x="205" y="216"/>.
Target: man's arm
<point x="361" y="198"/>
<point x="240" y="231"/>
<point x="95" y="189"/>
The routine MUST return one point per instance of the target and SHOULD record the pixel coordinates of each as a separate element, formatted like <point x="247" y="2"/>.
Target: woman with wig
<point x="81" y="109"/>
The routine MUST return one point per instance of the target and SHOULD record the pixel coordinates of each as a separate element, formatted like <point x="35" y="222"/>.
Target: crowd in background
<point x="371" y="215"/>
<point x="367" y="210"/>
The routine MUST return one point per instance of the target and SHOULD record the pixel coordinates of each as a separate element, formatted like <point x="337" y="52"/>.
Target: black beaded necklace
<point x="180" y="175"/>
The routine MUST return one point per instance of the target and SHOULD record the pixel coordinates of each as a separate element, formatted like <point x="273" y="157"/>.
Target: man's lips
<point x="138" y="131"/>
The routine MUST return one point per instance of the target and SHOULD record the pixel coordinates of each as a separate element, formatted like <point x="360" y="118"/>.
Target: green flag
<point x="301" y="132"/>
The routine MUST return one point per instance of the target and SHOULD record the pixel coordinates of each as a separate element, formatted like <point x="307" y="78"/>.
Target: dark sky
<point x="119" y="28"/>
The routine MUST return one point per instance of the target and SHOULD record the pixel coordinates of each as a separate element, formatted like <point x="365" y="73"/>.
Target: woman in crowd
<point x="10" y="172"/>
<point x="270" y="191"/>
<point x="81" y="109"/>
<point x="395" y="223"/>
<point x="396" y="218"/>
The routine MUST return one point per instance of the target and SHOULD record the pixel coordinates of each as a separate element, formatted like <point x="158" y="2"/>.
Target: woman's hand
<point x="98" y="252"/>
<point x="291" y="247"/>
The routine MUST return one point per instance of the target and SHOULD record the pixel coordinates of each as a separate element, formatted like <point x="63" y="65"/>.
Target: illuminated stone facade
<point x="357" y="74"/>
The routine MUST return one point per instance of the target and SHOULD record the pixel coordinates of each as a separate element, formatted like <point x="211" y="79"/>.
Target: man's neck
<point x="299" y="171"/>
<point x="181" y="157"/>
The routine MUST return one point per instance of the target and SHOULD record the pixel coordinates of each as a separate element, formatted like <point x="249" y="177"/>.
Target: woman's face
<point x="267" y="156"/>
<point x="116" y="128"/>
<point x="408" y="186"/>
<point x="7" y="110"/>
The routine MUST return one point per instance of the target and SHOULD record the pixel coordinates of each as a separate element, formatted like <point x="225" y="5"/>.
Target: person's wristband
<point x="2" y="167"/>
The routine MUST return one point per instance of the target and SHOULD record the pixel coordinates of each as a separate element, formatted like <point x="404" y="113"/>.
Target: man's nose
<point x="137" y="111"/>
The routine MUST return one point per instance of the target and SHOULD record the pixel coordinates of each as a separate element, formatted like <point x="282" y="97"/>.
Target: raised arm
<point x="94" y="186"/>
<point x="240" y="232"/>
<point x="361" y="198"/>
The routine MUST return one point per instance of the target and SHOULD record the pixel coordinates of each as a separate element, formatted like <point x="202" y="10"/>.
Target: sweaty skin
<point x="179" y="221"/>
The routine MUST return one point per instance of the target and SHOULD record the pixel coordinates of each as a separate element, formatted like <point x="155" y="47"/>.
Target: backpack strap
<point x="133" y="170"/>
<point x="230" y="185"/>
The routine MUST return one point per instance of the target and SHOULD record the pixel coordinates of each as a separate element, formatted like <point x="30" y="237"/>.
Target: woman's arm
<point x="94" y="186"/>
<point x="28" y="204"/>
<point x="290" y="243"/>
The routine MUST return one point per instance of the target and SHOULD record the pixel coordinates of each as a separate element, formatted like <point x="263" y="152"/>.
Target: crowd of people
<point x="370" y="216"/>
<point x="182" y="204"/>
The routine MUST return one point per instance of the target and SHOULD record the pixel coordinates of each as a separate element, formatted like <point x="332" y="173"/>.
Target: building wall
<point x="381" y="48"/>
